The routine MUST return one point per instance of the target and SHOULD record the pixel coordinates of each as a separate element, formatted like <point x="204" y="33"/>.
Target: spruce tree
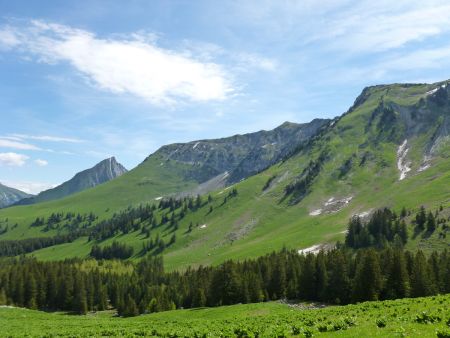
<point x="420" y="279"/>
<point x="398" y="283"/>
<point x="368" y="278"/>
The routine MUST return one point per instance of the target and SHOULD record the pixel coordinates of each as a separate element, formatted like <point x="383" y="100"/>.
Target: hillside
<point x="178" y="168"/>
<point x="403" y="317"/>
<point x="9" y="196"/>
<point x="390" y="149"/>
<point x="102" y="172"/>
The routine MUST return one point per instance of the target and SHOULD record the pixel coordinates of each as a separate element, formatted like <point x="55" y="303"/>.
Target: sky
<point x="84" y="80"/>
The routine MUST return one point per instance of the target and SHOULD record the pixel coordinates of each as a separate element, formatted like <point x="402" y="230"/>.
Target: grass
<point x="420" y="317"/>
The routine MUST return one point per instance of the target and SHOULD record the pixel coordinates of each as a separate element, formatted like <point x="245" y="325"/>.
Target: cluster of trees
<point x="145" y="217"/>
<point x="51" y="286"/>
<point x="385" y="226"/>
<point x="68" y="220"/>
<point x="429" y="221"/>
<point x="338" y="276"/>
<point x="300" y="187"/>
<point x="23" y="246"/>
<point x="157" y="246"/>
<point x="115" y="250"/>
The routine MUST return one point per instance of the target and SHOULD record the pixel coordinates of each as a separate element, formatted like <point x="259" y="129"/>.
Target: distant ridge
<point x="102" y="172"/>
<point x="9" y="196"/>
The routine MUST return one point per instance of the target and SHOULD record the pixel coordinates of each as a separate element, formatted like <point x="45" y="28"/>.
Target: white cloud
<point x="30" y="187"/>
<point x="41" y="163"/>
<point x="8" y="39"/>
<point x="12" y="159"/>
<point x="47" y="138"/>
<point x="132" y="65"/>
<point x="9" y="143"/>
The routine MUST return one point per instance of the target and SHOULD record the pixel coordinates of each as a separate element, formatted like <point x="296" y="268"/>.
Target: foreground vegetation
<point x="419" y="317"/>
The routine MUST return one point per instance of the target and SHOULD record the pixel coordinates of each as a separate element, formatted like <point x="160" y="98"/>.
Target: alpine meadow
<point x="223" y="219"/>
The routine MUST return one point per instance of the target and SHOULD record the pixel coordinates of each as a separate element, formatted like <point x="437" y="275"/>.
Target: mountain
<point x="390" y="149"/>
<point x="102" y="172"/>
<point x="220" y="162"/>
<point x="10" y="196"/>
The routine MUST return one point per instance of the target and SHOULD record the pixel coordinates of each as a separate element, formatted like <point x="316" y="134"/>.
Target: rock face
<point x="240" y="156"/>
<point x="9" y="196"/>
<point x="102" y="172"/>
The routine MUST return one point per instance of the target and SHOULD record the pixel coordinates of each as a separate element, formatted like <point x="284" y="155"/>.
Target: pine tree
<point x="420" y="279"/>
<point x="431" y="223"/>
<point x="421" y="218"/>
<point x="398" y="284"/>
<point x="403" y="231"/>
<point x="321" y="276"/>
<point x="130" y="307"/>
<point x="368" y="278"/>
<point x="199" y="298"/>
<point x="308" y="279"/>
<point x="31" y="293"/>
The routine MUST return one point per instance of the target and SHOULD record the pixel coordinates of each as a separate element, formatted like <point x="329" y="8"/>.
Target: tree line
<point x="339" y="276"/>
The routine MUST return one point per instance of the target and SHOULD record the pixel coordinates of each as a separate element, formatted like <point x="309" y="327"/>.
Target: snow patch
<point x="329" y="202"/>
<point x="312" y="249"/>
<point x="158" y="198"/>
<point x="316" y="212"/>
<point x="403" y="165"/>
<point x="431" y="92"/>
<point x="363" y="214"/>
<point x="425" y="164"/>
<point x="423" y="167"/>
<point x="203" y="226"/>
<point x="332" y="205"/>
<point x="195" y="145"/>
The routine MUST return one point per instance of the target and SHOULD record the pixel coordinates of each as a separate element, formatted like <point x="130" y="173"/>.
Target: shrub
<point x="381" y="323"/>
<point x="322" y="328"/>
<point x="443" y="333"/>
<point x="425" y="318"/>
<point x="308" y="333"/>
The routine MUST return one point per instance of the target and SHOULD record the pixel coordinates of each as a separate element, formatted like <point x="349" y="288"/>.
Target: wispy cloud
<point x="125" y="65"/>
<point x="12" y="159"/>
<point x="375" y="27"/>
<point x="47" y="138"/>
<point x="41" y="163"/>
<point x="250" y="60"/>
<point x="364" y="26"/>
<point x="16" y="144"/>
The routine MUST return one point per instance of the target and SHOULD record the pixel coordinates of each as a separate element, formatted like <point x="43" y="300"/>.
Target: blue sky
<point x="84" y="80"/>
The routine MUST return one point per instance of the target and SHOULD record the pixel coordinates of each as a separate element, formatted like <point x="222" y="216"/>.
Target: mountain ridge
<point x="365" y="159"/>
<point x="102" y="172"/>
<point x="9" y="196"/>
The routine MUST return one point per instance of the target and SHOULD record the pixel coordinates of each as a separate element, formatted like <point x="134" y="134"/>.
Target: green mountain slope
<point x="195" y="167"/>
<point x="390" y="149"/>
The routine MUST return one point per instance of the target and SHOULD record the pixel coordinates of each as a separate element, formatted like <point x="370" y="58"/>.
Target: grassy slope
<point x="269" y="319"/>
<point x="143" y="184"/>
<point x="262" y="221"/>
